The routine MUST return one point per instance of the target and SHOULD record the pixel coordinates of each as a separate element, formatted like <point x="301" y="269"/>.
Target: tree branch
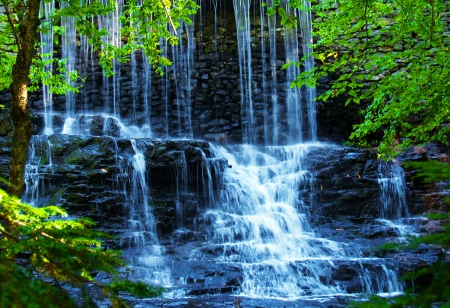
<point x="168" y="16"/>
<point x="12" y="24"/>
<point x="432" y="21"/>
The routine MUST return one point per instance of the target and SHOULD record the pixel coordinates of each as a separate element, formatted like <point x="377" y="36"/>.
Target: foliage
<point x="42" y="251"/>
<point x="391" y="56"/>
<point x="143" y="26"/>
<point x="429" y="171"/>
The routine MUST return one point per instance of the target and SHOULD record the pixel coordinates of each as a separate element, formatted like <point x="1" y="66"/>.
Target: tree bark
<point x="20" y="113"/>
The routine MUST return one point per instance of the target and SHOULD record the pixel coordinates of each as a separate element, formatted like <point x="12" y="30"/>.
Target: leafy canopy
<point x="143" y="23"/>
<point x="42" y="250"/>
<point x="391" y="56"/>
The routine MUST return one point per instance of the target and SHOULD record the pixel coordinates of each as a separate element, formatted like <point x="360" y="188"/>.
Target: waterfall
<point x="147" y="97"/>
<point x="144" y="252"/>
<point x="183" y="65"/>
<point x="261" y="224"/>
<point x="310" y="93"/>
<point x="294" y="111"/>
<point x="393" y="206"/>
<point x="46" y="11"/>
<point x="111" y="85"/>
<point x="128" y="185"/>
<point x="392" y="185"/>
<point x="289" y="104"/>
<point x="244" y="39"/>
<point x="267" y="110"/>
<point x="272" y="29"/>
<point x="181" y="179"/>
<point x="39" y="164"/>
<point x="69" y="53"/>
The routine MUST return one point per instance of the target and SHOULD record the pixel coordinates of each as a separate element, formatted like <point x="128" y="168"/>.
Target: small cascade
<point x="181" y="179"/>
<point x="393" y="206"/>
<point x="128" y="185"/>
<point x="38" y="167"/>
<point x="393" y="195"/>
<point x="69" y="53"/>
<point x="274" y="117"/>
<point x="244" y="38"/>
<point x="294" y="110"/>
<point x="143" y="250"/>
<point x="47" y="39"/>
<point x="309" y="93"/>
<point x="261" y="224"/>
<point x="182" y="70"/>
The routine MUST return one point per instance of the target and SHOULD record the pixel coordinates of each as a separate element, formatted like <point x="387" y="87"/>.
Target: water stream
<point x="141" y="241"/>
<point x="394" y="212"/>
<point x="261" y="224"/>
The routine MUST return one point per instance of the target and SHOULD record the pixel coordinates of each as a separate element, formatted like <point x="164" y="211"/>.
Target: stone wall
<point x="211" y="103"/>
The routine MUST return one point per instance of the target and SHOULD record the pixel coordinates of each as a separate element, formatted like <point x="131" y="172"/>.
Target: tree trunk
<point x="20" y="113"/>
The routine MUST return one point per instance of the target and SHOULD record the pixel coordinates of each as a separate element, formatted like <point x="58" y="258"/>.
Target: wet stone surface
<point x="86" y="175"/>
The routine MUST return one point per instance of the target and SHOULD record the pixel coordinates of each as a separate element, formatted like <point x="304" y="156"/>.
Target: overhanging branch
<point x="12" y="24"/>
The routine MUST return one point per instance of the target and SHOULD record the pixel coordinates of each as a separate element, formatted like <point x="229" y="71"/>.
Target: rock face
<point x="92" y="176"/>
<point x="200" y="100"/>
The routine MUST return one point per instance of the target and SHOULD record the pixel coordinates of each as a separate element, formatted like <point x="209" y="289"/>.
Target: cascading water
<point x="244" y="38"/>
<point x="294" y="95"/>
<point x="47" y="10"/>
<point x="69" y="53"/>
<point x="272" y="29"/>
<point x="129" y="185"/>
<point x="183" y="59"/>
<point x="393" y="206"/>
<point x="309" y="93"/>
<point x="260" y="223"/>
<point x="283" y="122"/>
<point x="270" y="111"/>
<point x="39" y="162"/>
<point x="392" y="184"/>
<point x="143" y="249"/>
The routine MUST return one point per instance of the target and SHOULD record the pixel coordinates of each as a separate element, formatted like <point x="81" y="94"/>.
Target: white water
<point x="294" y="95"/>
<point x="47" y="38"/>
<point x="393" y="206"/>
<point x="69" y="53"/>
<point x="309" y="93"/>
<point x="140" y="242"/>
<point x="261" y="224"/>
<point x="39" y="158"/>
<point x="272" y="29"/>
<point x="143" y="249"/>
<point x="392" y="184"/>
<point x="244" y="39"/>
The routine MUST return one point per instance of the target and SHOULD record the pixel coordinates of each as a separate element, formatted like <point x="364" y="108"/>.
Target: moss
<point x="57" y="196"/>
